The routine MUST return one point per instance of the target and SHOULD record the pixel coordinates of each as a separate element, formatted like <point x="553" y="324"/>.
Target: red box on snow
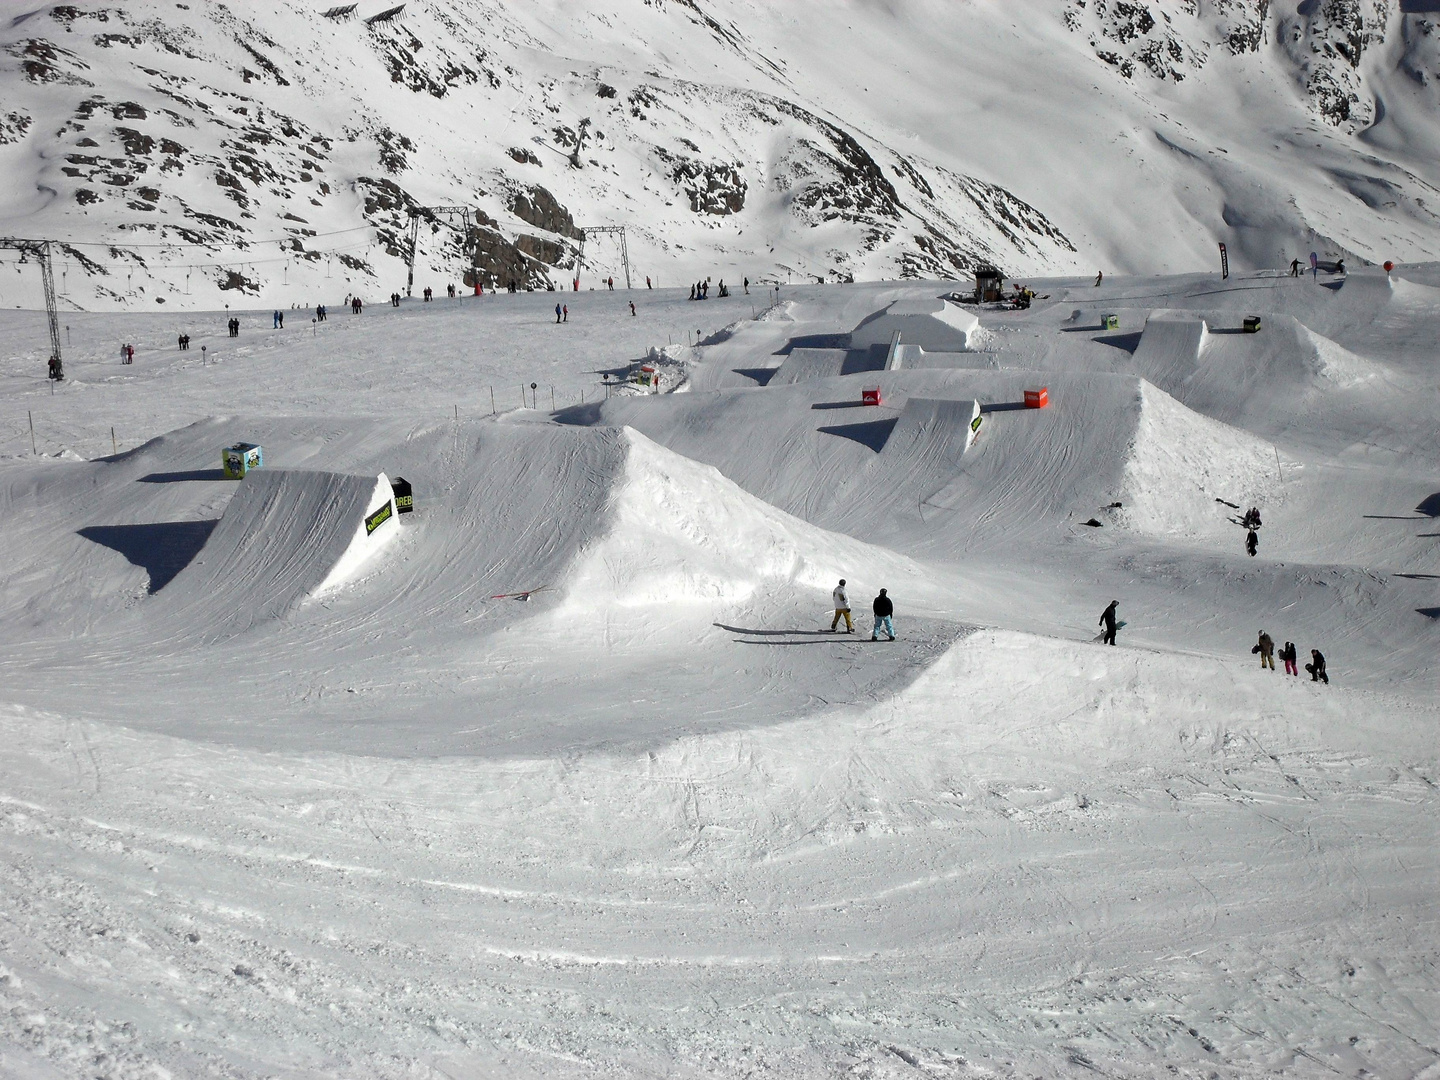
<point x="870" y="396"/>
<point x="1037" y="399"/>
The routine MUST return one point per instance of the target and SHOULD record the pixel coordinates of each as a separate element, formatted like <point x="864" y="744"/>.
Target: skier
<point x="632" y="309"/>
<point x="557" y="314"/>
<point x="1316" y="668"/>
<point x="883" y="611"/>
<point x="1288" y="655"/>
<point x="1265" y="646"/>
<point x="1252" y="543"/>
<point x="1294" y="267"/>
<point x="1099" y="277"/>
<point x="842" y="608"/>
<point x="1107" y="617"/>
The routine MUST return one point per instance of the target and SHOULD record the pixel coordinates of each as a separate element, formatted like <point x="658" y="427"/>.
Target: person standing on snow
<point x="1289" y="656"/>
<point x="883" y="610"/>
<point x="557" y="314"/>
<point x="1107" y="619"/>
<point x="747" y="286"/>
<point x="1099" y="277"/>
<point x="1266" y="648"/>
<point x="1294" y="267"/>
<point x="842" y="608"/>
<point x="1316" y="668"/>
<point x="565" y="313"/>
<point x="1252" y="542"/>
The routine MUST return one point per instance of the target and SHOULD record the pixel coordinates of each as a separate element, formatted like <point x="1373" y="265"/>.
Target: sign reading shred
<point x="378" y="518"/>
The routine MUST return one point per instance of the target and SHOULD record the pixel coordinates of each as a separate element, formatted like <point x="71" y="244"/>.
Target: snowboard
<point x="1119" y="625"/>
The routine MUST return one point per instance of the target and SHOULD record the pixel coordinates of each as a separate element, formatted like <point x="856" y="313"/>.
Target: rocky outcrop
<point x="536" y="206"/>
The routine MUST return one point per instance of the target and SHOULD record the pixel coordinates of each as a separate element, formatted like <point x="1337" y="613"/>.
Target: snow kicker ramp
<point x="906" y="478"/>
<point x="287" y="534"/>
<point x="930" y="436"/>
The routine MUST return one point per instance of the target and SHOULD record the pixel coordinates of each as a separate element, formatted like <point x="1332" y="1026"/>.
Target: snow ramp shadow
<point x="287" y="534"/>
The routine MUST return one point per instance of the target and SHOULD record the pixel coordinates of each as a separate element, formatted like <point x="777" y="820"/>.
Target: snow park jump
<point x="937" y="623"/>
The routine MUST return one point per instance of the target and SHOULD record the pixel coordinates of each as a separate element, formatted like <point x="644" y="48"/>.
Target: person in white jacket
<point x="842" y="607"/>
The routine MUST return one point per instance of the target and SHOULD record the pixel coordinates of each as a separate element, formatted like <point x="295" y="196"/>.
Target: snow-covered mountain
<point x="198" y="153"/>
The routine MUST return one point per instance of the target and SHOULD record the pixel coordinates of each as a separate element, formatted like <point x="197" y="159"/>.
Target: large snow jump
<point x="930" y="437"/>
<point x="287" y="534"/>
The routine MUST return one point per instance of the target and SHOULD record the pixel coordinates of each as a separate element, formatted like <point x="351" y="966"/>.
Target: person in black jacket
<point x="1289" y="655"/>
<point x="1316" y="668"/>
<point x="1107" y="618"/>
<point x="883" y="609"/>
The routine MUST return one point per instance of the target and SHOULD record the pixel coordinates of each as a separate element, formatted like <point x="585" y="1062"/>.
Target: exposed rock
<point x="536" y="206"/>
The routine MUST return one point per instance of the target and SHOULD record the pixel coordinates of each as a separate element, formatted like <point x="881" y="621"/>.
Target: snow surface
<point x="568" y="780"/>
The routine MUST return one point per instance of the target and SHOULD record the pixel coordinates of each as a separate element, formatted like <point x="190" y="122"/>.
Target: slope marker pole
<point x="114" y="446"/>
<point x="33" y="451"/>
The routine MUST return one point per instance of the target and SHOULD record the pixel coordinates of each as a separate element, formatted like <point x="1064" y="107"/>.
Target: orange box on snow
<point x="870" y="396"/>
<point x="1037" y="399"/>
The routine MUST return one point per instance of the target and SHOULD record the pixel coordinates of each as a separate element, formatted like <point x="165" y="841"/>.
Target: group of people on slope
<point x="881" y="606"/>
<point x="1265" y="648"/>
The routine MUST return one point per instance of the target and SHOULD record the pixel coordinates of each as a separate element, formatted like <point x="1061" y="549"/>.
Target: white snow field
<point x="563" y="775"/>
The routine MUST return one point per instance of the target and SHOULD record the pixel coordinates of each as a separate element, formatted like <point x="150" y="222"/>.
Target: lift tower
<point x="40" y="251"/>
<point x="462" y="216"/>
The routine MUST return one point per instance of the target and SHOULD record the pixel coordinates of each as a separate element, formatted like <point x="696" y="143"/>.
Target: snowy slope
<point x="259" y="153"/>
<point x="571" y="780"/>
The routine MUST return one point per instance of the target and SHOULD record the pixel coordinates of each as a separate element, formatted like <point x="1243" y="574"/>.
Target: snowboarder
<point x="1107" y="618"/>
<point x="747" y="286"/>
<point x="610" y="284"/>
<point x="842" y="608"/>
<point x="632" y="309"/>
<point x="1252" y="543"/>
<point x="565" y="313"/>
<point x="557" y="314"/>
<point x="692" y="292"/>
<point x="1316" y="668"/>
<point x="1251" y="520"/>
<point x="1099" y="277"/>
<point x="1294" y="267"/>
<point x="1289" y="656"/>
<point x="1265" y="646"/>
<point x="883" y="610"/>
<point x="647" y="282"/>
<point x="1339" y="266"/>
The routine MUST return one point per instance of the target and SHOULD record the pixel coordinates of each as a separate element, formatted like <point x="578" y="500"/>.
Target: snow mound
<point x="930" y="436"/>
<point x="1334" y="363"/>
<point x="1179" y="462"/>
<point x="287" y="534"/>
<point x="680" y="532"/>
<point x="936" y="325"/>
<point x="1170" y="346"/>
